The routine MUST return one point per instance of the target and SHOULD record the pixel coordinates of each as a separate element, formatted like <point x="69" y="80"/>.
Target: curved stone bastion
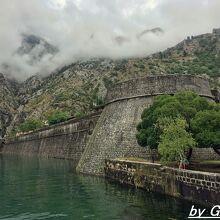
<point x="115" y="131"/>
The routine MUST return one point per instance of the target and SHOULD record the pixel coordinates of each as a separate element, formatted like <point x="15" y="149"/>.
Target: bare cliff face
<point x="79" y="87"/>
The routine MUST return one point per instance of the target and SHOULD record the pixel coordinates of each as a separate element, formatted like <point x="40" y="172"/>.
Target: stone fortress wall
<point x="158" y="85"/>
<point x="65" y="140"/>
<point x="114" y="134"/>
<point x="111" y="133"/>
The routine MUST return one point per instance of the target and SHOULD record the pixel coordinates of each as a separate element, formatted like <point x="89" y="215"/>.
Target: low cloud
<point x="98" y="28"/>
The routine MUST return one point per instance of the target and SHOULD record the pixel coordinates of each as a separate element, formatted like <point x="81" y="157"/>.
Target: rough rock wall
<point x="66" y="140"/>
<point x="114" y="135"/>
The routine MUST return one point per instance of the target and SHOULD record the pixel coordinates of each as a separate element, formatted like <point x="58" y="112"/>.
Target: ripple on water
<point x="33" y="188"/>
<point x="32" y="216"/>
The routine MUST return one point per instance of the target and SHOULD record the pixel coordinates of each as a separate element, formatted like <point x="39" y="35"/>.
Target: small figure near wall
<point x="183" y="164"/>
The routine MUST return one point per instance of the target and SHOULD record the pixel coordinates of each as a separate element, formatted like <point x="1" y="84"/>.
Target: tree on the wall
<point x="185" y="105"/>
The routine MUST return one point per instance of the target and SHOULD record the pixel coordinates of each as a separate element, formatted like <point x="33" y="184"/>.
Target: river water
<point x="32" y="188"/>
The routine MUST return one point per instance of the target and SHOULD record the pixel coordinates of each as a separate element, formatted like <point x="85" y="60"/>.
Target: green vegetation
<point x="79" y="87"/>
<point x="79" y="114"/>
<point x="57" y="116"/>
<point x="197" y="57"/>
<point x="206" y="127"/>
<point x="60" y="97"/>
<point x="205" y="63"/>
<point x="200" y="116"/>
<point x="30" y="125"/>
<point x="13" y="133"/>
<point x="174" y="140"/>
<point x="53" y="117"/>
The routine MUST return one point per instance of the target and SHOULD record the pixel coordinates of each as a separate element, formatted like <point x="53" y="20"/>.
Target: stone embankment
<point x="200" y="187"/>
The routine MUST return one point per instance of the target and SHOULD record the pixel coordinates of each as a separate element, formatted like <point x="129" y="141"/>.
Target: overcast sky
<point x="88" y="28"/>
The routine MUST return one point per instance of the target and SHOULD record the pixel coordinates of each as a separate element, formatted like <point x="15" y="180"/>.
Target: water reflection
<point x="32" y="188"/>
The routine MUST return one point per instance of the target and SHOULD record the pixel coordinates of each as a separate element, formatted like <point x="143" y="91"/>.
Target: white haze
<point x="88" y="28"/>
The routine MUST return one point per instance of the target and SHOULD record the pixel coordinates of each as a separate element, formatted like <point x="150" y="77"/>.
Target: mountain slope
<point x="8" y="102"/>
<point x="35" y="48"/>
<point x="80" y="86"/>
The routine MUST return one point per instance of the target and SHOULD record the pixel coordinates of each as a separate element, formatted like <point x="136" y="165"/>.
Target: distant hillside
<point x="194" y="55"/>
<point x="35" y="48"/>
<point x="81" y="86"/>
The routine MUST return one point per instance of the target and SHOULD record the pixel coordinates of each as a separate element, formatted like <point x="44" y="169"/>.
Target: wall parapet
<point x="56" y="129"/>
<point x="158" y="85"/>
<point x="65" y="140"/>
<point x="200" y="187"/>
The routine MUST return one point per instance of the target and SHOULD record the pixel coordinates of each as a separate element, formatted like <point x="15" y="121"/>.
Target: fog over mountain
<point x="62" y="31"/>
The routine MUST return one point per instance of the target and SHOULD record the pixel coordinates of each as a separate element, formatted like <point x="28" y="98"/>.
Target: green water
<point x="32" y="188"/>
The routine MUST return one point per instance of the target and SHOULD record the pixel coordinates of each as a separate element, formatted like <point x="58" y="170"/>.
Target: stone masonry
<point x="114" y="134"/>
<point x="65" y="140"/>
<point x="200" y="187"/>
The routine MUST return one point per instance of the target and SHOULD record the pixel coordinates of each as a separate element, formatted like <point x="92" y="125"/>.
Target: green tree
<point x="57" y="116"/>
<point x="206" y="127"/>
<point x="183" y="104"/>
<point x="186" y="105"/>
<point x="30" y="125"/>
<point x="175" y="140"/>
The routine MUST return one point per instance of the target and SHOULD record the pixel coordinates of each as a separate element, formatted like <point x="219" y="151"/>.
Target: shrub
<point x="30" y="125"/>
<point x="57" y="116"/>
<point x="79" y="114"/>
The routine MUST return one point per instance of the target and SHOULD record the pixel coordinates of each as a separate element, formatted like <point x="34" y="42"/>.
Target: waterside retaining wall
<point x="65" y="140"/>
<point x="200" y="187"/>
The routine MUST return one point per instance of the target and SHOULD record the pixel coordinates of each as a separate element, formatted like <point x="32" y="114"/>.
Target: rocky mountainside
<point x="32" y="52"/>
<point x="8" y="102"/>
<point x="35" y="48"/>
<point x="79" y="87"/>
